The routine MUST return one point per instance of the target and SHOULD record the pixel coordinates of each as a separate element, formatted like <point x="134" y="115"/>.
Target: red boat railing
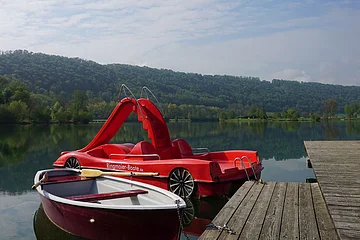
<point x="135" y="155"/>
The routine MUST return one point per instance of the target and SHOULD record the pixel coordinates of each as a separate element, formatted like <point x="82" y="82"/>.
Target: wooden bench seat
<point x="106" y="196"/>
<point x="65" y="179"/>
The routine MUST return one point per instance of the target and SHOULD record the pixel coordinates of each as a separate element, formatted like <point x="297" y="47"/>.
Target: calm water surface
<point x="26" y="149"/>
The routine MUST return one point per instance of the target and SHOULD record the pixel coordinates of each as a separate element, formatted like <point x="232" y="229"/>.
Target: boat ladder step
<point x="243" y="165"/>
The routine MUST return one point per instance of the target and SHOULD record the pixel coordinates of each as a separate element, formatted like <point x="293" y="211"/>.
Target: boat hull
<point x="96" y="223"/>
<point x="204" y="189"/>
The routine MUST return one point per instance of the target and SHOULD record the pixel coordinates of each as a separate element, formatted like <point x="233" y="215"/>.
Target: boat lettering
<point x="127" y="167"/>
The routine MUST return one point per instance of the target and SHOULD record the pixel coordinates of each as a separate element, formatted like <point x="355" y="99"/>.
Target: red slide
<point x="112" y="124"/>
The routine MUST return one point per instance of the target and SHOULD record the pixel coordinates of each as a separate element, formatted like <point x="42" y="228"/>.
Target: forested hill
<point x="60" y="76"/>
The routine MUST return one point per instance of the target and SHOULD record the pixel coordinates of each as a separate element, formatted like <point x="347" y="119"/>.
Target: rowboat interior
<point x="103" y="190"/>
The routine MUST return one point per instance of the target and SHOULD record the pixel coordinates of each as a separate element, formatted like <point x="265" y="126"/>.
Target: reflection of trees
<point x="352" y="128"/>
<point x="271" y="140"/>
<point x="289" y="126"/>
<point x="26" y="149"/>
<point x="256" y="128"/>
<point x="13" y="144"/>
<point x="331" y="131"/>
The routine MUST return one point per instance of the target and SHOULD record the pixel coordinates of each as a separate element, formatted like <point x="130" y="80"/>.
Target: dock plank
<point x="336" y="166"/>
<point x="349" y="234"/>
<point x="325" y="225"/>
<point x="238" y="220"/>
<point x="272" y="223"/>
<point x="277" y="210"/>
<point x="344" y="210"/>
<point x="257" y="216"/>
<point x="290" y="219"/>
<point x="308" y="230"/>
<point x="227" y="211"/>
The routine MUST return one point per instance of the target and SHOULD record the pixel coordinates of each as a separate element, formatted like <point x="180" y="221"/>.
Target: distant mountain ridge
<point x="56" y="75"/>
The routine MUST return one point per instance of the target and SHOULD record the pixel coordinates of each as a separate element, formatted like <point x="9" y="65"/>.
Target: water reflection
<point x="200" y="212"/>
<point x="26" y="149"/>
<point x="197" y="216"/>
<point x="44" y="229"/>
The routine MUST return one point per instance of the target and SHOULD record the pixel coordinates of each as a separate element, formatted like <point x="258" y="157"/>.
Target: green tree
<point x="98" y="110"/>
<point x="78" y="107"/>
<point x="315" y="117"/>
<point x="19" y="109"/>
<point x="252" y="111"/>
<point x="260" y="113"/>
<point x="230" y="114"/>
<point x="351" y="110"/>
<point x="19" y="91"/>
<point x="330" y="107"/>
<point x="171" y="111"/>
<point x="291" y="114"/>
<point x="62" y="115"/>
<point x="222" y="116"/>
<point x="3" y="86"/>
<point x="6" y="116"/>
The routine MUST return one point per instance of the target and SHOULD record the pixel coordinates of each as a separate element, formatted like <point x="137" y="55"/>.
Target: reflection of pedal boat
<point x="180" y="169"/>
<point x="108" y="207"/>
<point x="44" y="229"/>
<point x="199" y="213"/>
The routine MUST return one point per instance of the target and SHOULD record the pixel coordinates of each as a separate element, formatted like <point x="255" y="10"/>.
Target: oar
<point x="98" y="173"/>
<point x="44" y="178"/>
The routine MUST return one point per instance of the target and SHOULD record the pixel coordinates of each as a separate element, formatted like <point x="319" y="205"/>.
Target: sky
<point x="307" y="40"/>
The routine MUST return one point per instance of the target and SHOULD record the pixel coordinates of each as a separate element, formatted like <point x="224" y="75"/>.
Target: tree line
<point x="37" y="87"/>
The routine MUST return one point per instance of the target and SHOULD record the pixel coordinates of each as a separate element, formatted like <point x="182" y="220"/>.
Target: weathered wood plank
<point x="272" y="223"/>
<point x="238" y="220"/>
<point x="341" y="193"/>
<point x="308" y="230"/>
<point x="344" y="210"/>
<point x="280" y="211"/>
<point x="343" y="201"/>
<point x="228" y="210"/>
<point x="324" y="222"/>
<point x="251" y="230"/>
<point x="336" y="166"/>
<point x="339" y="181"/>
<point x="349" y="234"/>
<point x="330" y="188"/>
<point x="346" y="222"/>
<point x="290" y="219"/>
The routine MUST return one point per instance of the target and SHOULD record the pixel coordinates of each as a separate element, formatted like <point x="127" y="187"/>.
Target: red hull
<point x="204" y="189"/>
<point x="93" y="223"/>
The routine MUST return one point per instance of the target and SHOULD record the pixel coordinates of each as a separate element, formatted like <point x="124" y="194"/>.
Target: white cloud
<point x="292" y="74"/>
<point x="300" y="40"/>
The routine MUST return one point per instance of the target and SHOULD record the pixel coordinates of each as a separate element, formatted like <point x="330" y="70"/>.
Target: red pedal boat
<point x="181" y="171"/>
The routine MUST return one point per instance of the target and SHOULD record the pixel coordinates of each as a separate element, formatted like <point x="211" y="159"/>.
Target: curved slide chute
<point x="155" y="124"/>
<point x="112" y="125"/>
<point x="148" y="114"/>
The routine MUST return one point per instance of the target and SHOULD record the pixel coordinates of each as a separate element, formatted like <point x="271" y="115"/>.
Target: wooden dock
<point x="274" y="210"/>
<point x="336" y="165"/>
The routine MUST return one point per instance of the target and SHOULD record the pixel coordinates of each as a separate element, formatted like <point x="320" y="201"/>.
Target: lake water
<point x="26" y="149"/>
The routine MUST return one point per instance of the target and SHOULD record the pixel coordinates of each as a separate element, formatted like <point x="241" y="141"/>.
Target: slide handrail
<point x="146" y="90"/>
<point x="124" y="88"/>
